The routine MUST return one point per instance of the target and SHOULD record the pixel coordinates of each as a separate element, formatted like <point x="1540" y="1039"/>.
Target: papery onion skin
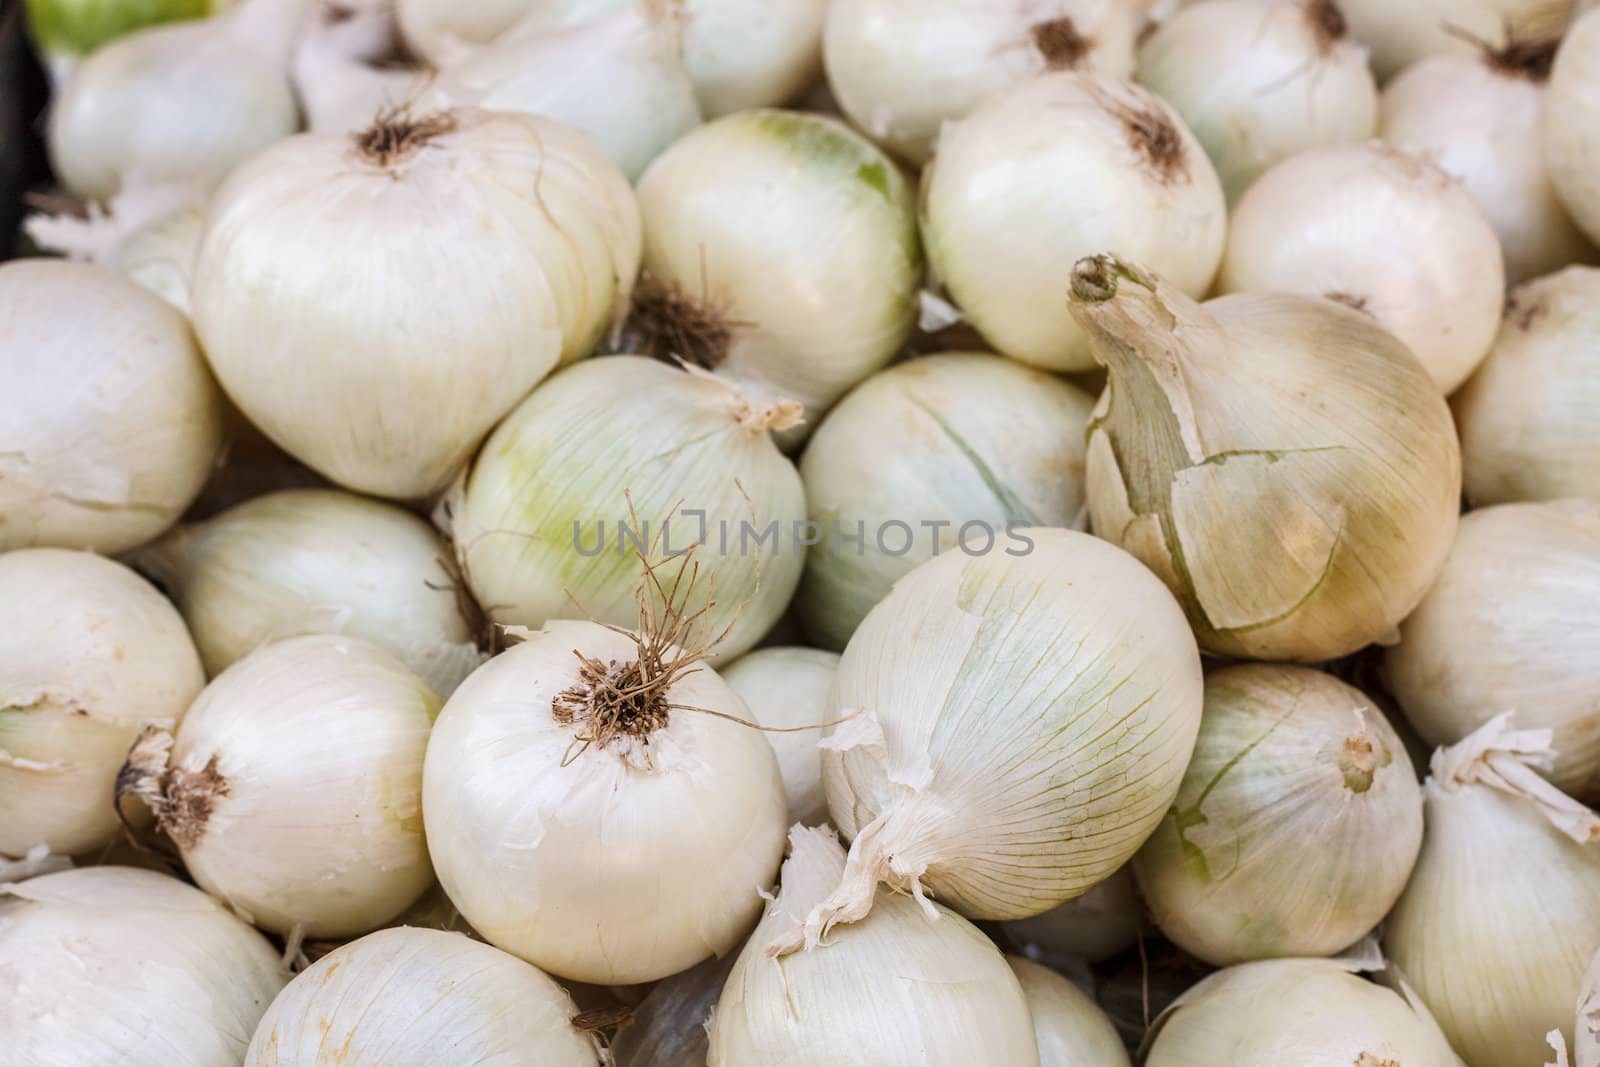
<point x="623" y="434"/>
<point x="92" y="654"/>
<point x="407" y="997"/>
<point x="1004" y="219"/>
<point x="1526" y="416"/>
<point x="111" y="422"/>
<point x="1259" y="82"/>
<point x="1571" y="117"/>
<point x="949" y="792"/>
<point x="902" y="68"/>
<point x="1477" y="119"/>
<point x="415" y="366"/>
<point x="579" y="857"/>
<point x="1094" y="927"/>
<point x="788" y="688"/>
<point x="1385" y="233"/>
<point x="305" y="561"/>
<point x="116" y="965"/>
<point x="952" y="439"/>
<point x="894" y="990"/>
<point x="296" y="786"/>
<point x="1512" y="624"/>
<point x="802" y="302"/>
<point x="1296" y="827"/>
<point x="1071" y="1029"/>
<point x="668" y="1027"/>
<point x="1285" y="465"/>
<point x="1399" y="34"/>
<point x="1309" y="1012"/>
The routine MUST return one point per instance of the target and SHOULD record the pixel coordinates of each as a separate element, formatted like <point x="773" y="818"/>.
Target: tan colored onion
<point x="1284" y="464"/>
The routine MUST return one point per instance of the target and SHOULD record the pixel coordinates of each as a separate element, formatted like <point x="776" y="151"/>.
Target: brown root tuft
<point x="1152" y="134"/>
<point x="191" y="796"/>
<point x="483" y="629"/>
<point x="1328" y="24"/>
<point x="1061" y="43"/>
<point x="1349" y="300"/>
<point x="669" y="324"/>
<point x="1360" y="759"/>
<point x="1523" y="59"/>
<point x="396" y="134"/>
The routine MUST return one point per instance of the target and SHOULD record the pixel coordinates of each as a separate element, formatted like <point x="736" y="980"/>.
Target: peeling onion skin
<point x="107" y="965"/>
<point x="1285" y="465"/>
<point x="410" y="997"/>
<point x="1526" y="417"/>
<point x="902" y="68"/>
<point x="1071" y="1029"/>
<point x="1297" y="825"/>
<point x="1512" y="623"/>
<point x="111" y="422"/>
<point x="1400" y="34"/>
<point x="1388" y="234"/>
<point x="1571" y="121"/>
<point x="1063" y="166"/>
<point x="89" y="653"/>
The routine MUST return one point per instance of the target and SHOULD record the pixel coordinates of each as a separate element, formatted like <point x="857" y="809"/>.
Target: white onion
<point x="1497" y="925"/>
<point x="1018" y="724"/>
<point x="902" y="68"/>
<point x="1512" y="624"/>
<point x="90" y="655"/>
<point x="1285" y="465"/>
<point x="1064" y="166"/>
<point x="1477" y="119"/>
<point x="1070" y="1029"/>
<point x="111" y="422"/>
<point x="1309" y="1013"/>
<point x="940" y="454"/>
<point x="780" y="250"/>
<point x="1091" y="928"/>
<point x="414" y="998"/>
<point x="1571" y="119"/>
<point x="293" y="786"/>
<point x="1527" y="416"/>
<point x="787" y="689"/>
<point x="112" y="965"/>
<point x="552" y="516"/>
<point x="1259" y="82"/>
<point x="305" y="561"/>
<point x="1389" y="235"/>
<point x="188" y="101"/>
<point x="620" y="79"/>
<point x="1297" y="824"/>
<point x="893" y="990"/>
<point x="508" y="245"/>
<point x="1399" y="33"/>
<point x="603" y="840"/>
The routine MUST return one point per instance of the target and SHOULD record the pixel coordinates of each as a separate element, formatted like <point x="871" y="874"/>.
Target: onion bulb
<point x="1289" y="527"/>
<point x="409" y="997"/>
<point x="893" y="990"/>
<point x="1070" y="1028"/>
<point x="92" y="655"/>
<point x="668" y="1028"/>
<point x="1259" y="82"/>
<point x="1477" y="119"/>
<point x="622" y="456"/>
<point x="1512" y="624"/>
<point x="1399" y="34"/>
<point x="1297" y="824"/>
<point x="508" y="245"/>
<point x="902" y="68"/>
<point x="292" y="787"/>
<point x="620" y="79"/>
<point x="1526" y="417"/>
<point x="593" y="807"/>
<point x="786" y="689"/>
<point x="1063" y="166"/>
<point x="1308" y="1012"/>
<point x="116" y="965"/>
<point x="1499" y="920"/>
<point x="111" y="422"/>
<point x="780" y="250"/>
<point x="1018" y="723"/>
<point x="183" y="102"/>
<point x="1392" y="236"/>
<point x="1571" y="121"/>
<point x="1091" y="928"/>
<point x="303" y="561"/>
<point x="952" y="452"/>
